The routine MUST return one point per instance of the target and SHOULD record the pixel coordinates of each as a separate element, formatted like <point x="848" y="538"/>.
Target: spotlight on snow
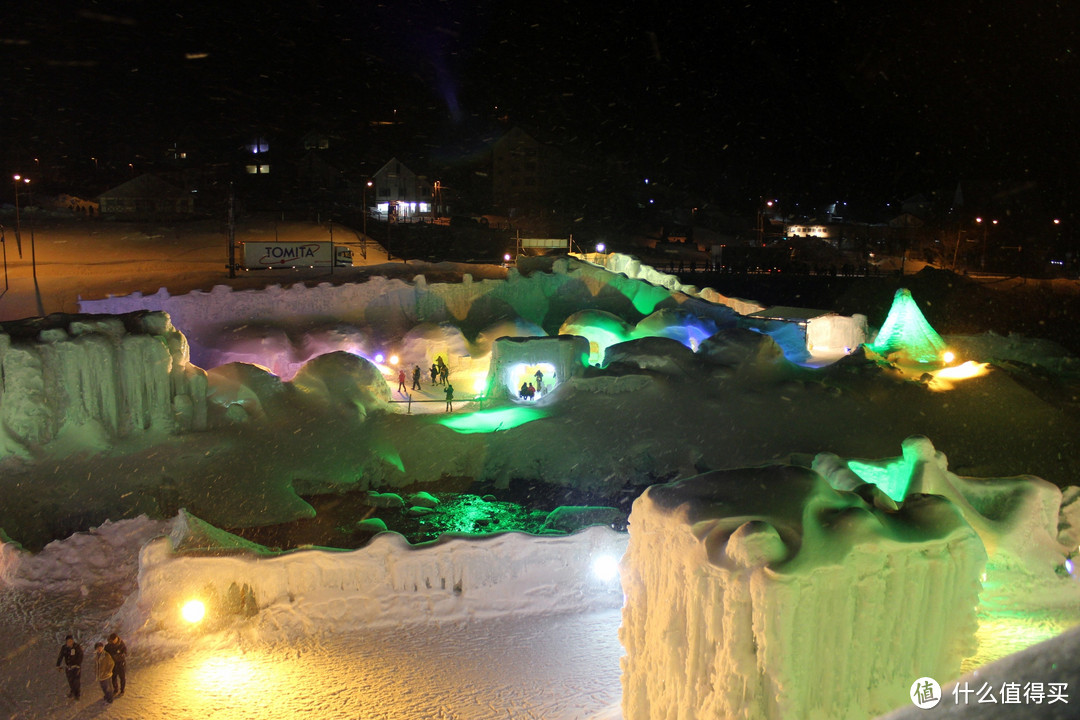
<point x="945" y="378"/>
<point x="600" y="247"/>
<point x="393" y="359"/>
<point x="193" y="611"/>
<point x="379" y="358"/>
<point x="606" y="567"/>
<point x="480" y="385"/>
<point x="949" y="357"/>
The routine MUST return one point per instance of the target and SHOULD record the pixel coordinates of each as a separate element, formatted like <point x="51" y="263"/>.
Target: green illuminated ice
<point x="907" y="333"/>
<point x="892" y="478"/>
<point x="491" y="420"/>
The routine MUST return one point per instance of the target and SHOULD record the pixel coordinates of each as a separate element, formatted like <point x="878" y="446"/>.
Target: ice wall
<point x="392" y="307"/>
<point x="765" y="593"/>
<point x="386" y="582"/>
<point x="836" y="332"/>
<point x="633" y="268"/>
<point x="113" y="375"/>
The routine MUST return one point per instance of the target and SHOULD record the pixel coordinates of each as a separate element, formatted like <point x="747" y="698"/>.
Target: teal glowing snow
<point x="484" y="421"/>
<point x="907" y="333"/>
<point x="893" y="478"/>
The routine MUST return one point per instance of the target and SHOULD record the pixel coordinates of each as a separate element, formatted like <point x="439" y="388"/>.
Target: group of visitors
<point x="110" y="666"/>
<point x="440" y="373"/>
<point x="528" y="391"/>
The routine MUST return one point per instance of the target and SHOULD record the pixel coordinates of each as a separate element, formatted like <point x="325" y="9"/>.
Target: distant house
<point x="822" y="231"/>
<point x="400" y="193"/>
<point x="146" y="196"/>
<point x="315" y="140"/>
<point x="524" y="173"/>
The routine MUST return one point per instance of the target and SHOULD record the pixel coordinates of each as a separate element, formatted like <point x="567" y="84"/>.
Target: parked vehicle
<point x="265" y="255"/>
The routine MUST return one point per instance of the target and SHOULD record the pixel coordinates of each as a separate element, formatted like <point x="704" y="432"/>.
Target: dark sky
<point x="872" y="101"/>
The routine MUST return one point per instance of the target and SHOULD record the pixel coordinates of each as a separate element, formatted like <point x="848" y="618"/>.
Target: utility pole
<point x="230" y="233"/>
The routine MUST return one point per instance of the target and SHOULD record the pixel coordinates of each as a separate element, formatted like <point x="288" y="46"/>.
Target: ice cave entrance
<point x="540" y="375"/>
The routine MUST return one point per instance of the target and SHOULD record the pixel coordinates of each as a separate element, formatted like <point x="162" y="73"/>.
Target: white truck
<point x="265" y="255"/>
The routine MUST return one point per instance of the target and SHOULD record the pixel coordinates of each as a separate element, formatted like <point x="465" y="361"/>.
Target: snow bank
<point x="105" y="556"/>
<point x="734" y="580"/>
<point x="386" y="582"/>
<point x="92" y="376"/>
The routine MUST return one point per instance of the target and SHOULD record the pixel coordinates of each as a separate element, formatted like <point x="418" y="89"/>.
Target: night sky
<point x="809" y="101"/>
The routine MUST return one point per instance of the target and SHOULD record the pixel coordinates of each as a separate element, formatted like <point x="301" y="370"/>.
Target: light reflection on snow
<point x="947" y="377"/>
<point x="245" y="680"/>
<point x="483" y="421"/>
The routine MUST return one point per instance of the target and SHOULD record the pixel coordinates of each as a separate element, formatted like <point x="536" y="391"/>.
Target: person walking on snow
<point x="416" y="377"/>
<point x="118" y="652"/>
<point x="401" y="380"/>
<point x="71" y="655"/>
<point x="449" y="397"/>
<point x="434" y="374"/>
<point x="103" y="664"/>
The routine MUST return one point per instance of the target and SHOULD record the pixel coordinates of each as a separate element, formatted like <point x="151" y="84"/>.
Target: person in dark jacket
<point x="71" y="656"/>
<point x="118" y="650"/>
<point x="416" y="377"/>
<point x="449" y="391"/>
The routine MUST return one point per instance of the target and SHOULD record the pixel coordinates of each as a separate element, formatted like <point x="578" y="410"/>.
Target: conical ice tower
<point x="906" y="332"/>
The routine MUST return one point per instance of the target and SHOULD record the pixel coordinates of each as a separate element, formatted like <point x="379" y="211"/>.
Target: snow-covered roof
<point x="789" y="314"/>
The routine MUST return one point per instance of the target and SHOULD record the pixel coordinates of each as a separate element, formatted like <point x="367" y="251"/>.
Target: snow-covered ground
<point x="659" y="413"/>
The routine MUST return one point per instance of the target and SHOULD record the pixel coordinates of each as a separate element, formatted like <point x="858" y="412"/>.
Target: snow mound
<point x="238" y="391"/>
<point x="102" y="557"/>
<point x="343" y="382"/>
<point x="734" y="347"/>
<point x="660" y="354"/>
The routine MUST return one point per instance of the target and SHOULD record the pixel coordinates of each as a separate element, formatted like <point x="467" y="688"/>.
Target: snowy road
<point x="553" y="667"/>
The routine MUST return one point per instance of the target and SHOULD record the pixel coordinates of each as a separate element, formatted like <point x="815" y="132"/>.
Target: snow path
<point x="553" y="667"/>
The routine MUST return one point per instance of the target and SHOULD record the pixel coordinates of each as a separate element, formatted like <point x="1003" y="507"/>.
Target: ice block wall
<point x="122" y="374"/>
<point x="387" y="581"/>
<point x="764" y="593"/>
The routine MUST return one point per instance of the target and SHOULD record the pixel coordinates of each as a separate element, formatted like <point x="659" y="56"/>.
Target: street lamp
<point x="367" y="185"/>
<point x="985" y="226"/>
<point x="18" y="227"/>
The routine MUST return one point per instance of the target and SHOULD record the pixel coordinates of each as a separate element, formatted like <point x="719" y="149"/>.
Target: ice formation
<point x="92" y="375"/>
<point x="1025" y="523"/>
<point x="906" y="335"/>
<point x="386" y="582"/>
<point x="802" y="331"/>
<point x="734" y="580"/>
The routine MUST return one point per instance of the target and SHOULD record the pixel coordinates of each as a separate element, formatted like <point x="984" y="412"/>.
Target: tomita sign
<point x="294" y="254"/>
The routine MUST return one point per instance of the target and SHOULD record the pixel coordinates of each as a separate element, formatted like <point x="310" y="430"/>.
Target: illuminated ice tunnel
<point x="906" y="335"/>
<point x="517" y="360"/>
<point x="601" y="330"/>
